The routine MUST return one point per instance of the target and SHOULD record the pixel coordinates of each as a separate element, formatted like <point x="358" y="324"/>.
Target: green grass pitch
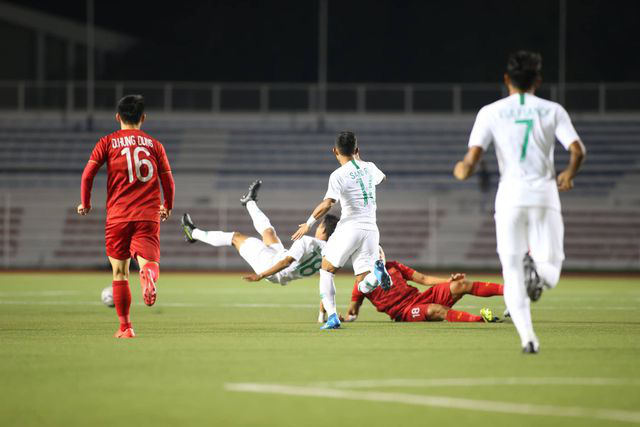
<point x="218" y="351"/>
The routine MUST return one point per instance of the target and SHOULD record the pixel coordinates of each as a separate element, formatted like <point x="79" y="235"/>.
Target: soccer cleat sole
<point x="385" y="278"/>
<point x="252" y="194"/>
<point x="187" y="228"/>
<point x="149" y="291"/>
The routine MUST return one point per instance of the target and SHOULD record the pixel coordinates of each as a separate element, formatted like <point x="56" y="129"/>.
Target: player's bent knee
<point x="460" y="287"/>
<point x="238" y="239"/>
<point x="436" y="313"/>
<point x="327" y="266"/>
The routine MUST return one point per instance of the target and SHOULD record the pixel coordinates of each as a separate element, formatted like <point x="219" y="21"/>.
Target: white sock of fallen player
<point x="328" y="292"/>
<point x="213" y="238"/>
<point x="260" y="220"/>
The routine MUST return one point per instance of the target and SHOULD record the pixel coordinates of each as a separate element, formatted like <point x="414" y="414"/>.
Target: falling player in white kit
<point x="523" y="129"/>
<point x="357" y="237"/>
<point x="267" y="257"/>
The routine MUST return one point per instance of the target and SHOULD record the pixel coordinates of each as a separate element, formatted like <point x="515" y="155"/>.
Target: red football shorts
<point x="125" y="240"/>
<point x="416" y="311"/>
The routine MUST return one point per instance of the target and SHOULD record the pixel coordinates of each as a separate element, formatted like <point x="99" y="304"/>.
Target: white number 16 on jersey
<point x="137" y="162"/>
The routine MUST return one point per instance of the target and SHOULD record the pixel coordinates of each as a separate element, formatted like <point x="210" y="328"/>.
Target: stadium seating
<point x="212" y="157"/>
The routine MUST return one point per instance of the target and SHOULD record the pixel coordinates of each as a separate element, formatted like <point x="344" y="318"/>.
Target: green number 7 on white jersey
<point x="529" y="123"/>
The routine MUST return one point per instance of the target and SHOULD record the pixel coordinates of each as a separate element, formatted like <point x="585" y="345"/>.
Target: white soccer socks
<point x="516" y="299"/>
<point x="368" y="284"/>
<point x="328" y="292"/>
<point x="213" y="238"/>
<point x="260" y="220"/>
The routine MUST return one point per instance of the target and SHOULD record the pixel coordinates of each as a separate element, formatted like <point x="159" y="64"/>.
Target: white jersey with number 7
<point x="354" y="185"/>
<point x="524" y="128"/>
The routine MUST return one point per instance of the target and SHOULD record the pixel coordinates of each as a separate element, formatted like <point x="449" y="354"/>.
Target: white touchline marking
<point x="38" y="293"/>
<point x="469" y="382"/>
<point x="275" y="305"/>
<point x="161" y="304"/>
<point x="440" y="401"/>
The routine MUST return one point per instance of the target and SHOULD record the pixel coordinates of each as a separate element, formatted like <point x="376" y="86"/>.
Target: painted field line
<point x="54" y="302"/>
<point x="470" y="382"/>
<point x="277" y="305"/>
<point x="439" y="401"/>
<point x="38" y="293"/>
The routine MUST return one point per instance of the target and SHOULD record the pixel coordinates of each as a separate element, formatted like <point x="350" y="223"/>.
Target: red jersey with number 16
<point x="134" y="162"/>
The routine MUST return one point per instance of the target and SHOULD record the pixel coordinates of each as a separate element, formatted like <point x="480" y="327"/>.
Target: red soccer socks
<point x="462" y="316"/>
<point x="122" y="301"/>
<point x="486" y="289"/>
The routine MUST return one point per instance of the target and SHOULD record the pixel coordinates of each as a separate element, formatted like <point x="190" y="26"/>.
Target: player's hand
<point x="350" y="318"/>
<point x="302" y="230"/>
<point x="457" y="276"/>
<point x="82" y="210"/>
<point x="252" y="277"/>
<point x="461" y="171"/>
<point x="164" y="213"/>
<point x="565" y="181"/>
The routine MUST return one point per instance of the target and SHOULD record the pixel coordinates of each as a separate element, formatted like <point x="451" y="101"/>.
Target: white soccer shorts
<point x="359" y="246"/>
<point x="536" y="229"/>
<point x="260" y="256"/>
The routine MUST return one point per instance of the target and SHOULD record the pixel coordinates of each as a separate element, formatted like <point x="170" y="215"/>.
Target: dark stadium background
<point x="369" y="41"/>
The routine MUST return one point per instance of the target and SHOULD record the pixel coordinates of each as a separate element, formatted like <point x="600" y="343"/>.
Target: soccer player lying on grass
<point x="405" y="303"/>
<point x="267" y="257"/>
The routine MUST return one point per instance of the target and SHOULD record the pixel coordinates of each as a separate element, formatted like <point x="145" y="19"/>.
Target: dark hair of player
<point x="131" y="109"/>
<point x="524" y="68"/>
<point x="330" y="222"/>
<point x="346" y="143"/>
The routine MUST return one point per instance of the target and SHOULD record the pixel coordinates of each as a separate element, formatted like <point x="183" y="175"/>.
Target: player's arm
<point x="479" y="141"/>
<point x="465" y="167"/>
<point x="167" y="182"/>
<point x="97" y="159"/>
<point x="423" y="279"/>
<point x="277" y="267"/>
<point x="577" y="155"/>
<point x="321" y="210"/>
<point x="86" y="185"/>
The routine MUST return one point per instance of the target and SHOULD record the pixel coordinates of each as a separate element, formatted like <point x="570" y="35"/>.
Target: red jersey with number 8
<point x="134" y="162"/>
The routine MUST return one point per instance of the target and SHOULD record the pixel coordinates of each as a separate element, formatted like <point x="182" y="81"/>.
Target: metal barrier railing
<point x="71" y="96"/>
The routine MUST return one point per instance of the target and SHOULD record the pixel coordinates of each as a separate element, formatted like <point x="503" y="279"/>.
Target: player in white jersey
<point x="523" y="129"/>
<point x="267" y="257"/>
<point x="356" y="237"/>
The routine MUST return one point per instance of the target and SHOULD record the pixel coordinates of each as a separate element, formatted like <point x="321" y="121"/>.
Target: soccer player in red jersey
<point x="405" y="303"/>
<point x="136" y="167"/>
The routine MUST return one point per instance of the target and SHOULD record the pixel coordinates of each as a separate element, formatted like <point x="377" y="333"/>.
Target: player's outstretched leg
<point x="213" y="238"/>
<point x="261" y="222"/>
<point x="149" y="275"/>
<point x="438" y="312"/>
